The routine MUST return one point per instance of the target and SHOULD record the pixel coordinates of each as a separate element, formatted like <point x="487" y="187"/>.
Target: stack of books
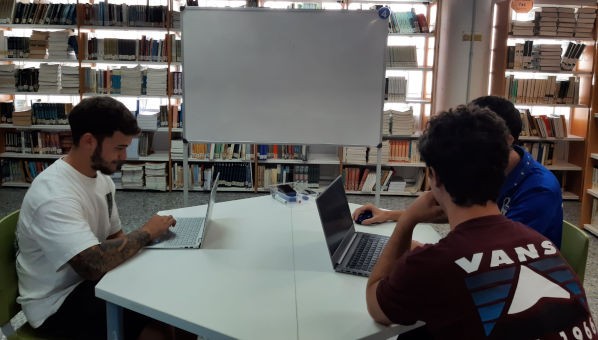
<point x="117" y="179"/>
<point x="131" y="80"/>
<point x="49" y="78"/>
<point x="566" y="22"/>
<point x="132" y="176"/>
<point x="401" y="56"/>
<point x="397" y="185"/>
<point x="148" y="120"/>
<point x="69" y="79"/>
<point x="584" y="25"/>
<point x="354" y="154"/>
<point x="546" y="21"/>
<point x="156" y="82"/>
<point x="396" y="89"/>
<point x="547" y="58"/>
<point x="155" y="176"/>
<point x="58" y="47"/>
<point x="372" y="156"/>
<point x="522" y="28"/>
<point x="21" y="116"/>
<point x="176" y="148"/>
<point x="7" y="78"/>
<point x="403" y="122"/>
<point x="38" y="45"/>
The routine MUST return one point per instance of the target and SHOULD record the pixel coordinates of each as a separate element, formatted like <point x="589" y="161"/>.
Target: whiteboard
<point x="256" y="75"/>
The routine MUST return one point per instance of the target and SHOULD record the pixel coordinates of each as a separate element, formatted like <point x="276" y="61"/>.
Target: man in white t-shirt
<point x="69" y="232"/>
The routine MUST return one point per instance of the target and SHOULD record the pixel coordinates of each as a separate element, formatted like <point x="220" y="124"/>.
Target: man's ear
<point x="433" y="177"/>
<point x="88" y="141"/>
<point x="510" y="140"/>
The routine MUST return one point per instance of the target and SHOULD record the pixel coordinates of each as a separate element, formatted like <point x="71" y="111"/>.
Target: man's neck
<point x="457" y="214"/>
<point x="79" y="162"/>
<point x="514" y="159"/>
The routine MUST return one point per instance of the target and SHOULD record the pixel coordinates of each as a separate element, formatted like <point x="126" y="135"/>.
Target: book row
<point x="558" y="22"/>
<point x="546" y="153"/>
<point x="36" y="13"/>
<point x="363" y="179"/>
<point x="41" y="45"/>
<point x="547" y="58"/>
<point x="38" y="142"/>
<point x="269" y="175"/>
<point x="543" y="125"/>
<point x="143" y="49"/>
<point x="21" y="171"/>
<point x="408" y="22"/>
<point x="237" y="175"/>
<point x="542" y="91"/>
<point x="240" y="151"/>
<point x="396" y="150"/>
<point x="56" y="78"/>
<point x="40" y="113"/>
<point x="99" y="14"/>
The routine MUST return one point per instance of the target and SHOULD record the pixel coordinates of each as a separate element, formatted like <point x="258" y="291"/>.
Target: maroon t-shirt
<point x="488" y="278"/>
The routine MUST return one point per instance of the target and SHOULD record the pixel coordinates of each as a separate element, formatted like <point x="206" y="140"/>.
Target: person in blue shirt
<point x="531" y="194"/>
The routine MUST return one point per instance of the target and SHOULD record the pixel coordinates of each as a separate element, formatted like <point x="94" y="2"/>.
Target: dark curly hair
<point x="467" y="148"/>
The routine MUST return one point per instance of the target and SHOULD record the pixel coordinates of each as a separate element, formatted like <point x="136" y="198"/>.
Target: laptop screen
<point x="212" y="198"/>
<point x="334" y="214"/>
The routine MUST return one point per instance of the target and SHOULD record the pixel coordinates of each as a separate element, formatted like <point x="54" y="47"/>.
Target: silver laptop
<point x="351" y="252"/>
<point x="189" y="232"/>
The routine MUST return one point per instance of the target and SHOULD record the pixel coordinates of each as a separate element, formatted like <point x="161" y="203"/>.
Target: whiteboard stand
<point x="185" y="170"/>
<point x="378" y="173"/>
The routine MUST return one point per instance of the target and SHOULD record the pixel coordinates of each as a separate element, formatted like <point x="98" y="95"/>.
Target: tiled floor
<point x="135" y="207"/>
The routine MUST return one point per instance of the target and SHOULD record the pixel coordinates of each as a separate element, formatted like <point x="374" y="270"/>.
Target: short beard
<point x="98" y="163"/>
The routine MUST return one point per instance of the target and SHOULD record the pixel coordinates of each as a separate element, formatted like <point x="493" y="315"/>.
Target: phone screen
<point x="287" y="189"/>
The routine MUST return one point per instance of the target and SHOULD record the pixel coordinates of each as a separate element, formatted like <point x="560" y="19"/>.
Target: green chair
<point x="9" y="282"/>
<point x="574" y="248"/>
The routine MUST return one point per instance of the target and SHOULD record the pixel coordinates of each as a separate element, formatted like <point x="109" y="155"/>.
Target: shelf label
<point x="522" y="6"/>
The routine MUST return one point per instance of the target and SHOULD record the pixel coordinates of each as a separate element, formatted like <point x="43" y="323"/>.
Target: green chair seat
<point x="574" y="248"/>
<point x="9" y="286"/>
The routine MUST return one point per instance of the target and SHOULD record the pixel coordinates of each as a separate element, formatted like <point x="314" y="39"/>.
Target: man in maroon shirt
<point x="489" y="277"/>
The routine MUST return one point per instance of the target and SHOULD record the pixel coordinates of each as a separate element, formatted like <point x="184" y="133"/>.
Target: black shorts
<point x="83" y="316"/>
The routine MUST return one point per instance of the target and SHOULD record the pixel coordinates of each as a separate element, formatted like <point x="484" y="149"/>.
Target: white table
<point x="263" y="272"/>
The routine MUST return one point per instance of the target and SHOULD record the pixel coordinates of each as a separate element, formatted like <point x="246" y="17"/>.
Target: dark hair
<point x="505" y="110"/>
<point x="101" y="116"/>
<point x="467" y="149"/>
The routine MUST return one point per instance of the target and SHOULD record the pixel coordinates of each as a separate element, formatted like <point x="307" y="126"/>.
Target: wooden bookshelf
<point x="571" y="169"/>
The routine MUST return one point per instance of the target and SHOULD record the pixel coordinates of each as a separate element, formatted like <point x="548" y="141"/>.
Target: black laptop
<point x="351" y="252"/>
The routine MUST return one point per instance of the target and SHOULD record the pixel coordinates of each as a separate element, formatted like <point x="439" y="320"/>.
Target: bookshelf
<point x="127" y="50"/>
<point x="410" y="74"/>
<point x="533" y="64"/>
<point x="108" y="54"/>
<point x="589" y="198"/>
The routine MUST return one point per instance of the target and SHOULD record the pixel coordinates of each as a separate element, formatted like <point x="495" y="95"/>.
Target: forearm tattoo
<point x="94" y="262"/>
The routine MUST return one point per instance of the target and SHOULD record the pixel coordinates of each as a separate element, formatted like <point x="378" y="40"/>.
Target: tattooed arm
<point x="93" y="262"/>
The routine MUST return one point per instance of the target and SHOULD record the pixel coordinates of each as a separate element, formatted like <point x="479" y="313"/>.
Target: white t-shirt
<point x="63" y="213"/>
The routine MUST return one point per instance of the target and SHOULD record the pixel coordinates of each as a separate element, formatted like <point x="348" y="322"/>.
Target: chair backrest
<point x="8" y="279"/>
<point x="574" y="248"/>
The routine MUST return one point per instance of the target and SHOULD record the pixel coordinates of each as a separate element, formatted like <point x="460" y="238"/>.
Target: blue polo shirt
<point x="532" y="195"/>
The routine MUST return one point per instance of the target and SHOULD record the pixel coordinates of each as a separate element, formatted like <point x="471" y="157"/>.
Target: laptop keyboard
<point x="367" y="251"/>
<point x="184" y="233"/>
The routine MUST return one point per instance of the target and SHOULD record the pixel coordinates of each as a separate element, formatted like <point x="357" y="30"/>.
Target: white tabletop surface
<point x="263" y="272"/>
